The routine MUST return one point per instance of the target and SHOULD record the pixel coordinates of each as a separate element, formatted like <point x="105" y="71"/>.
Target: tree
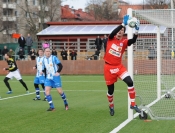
<point x="158" y="4"/>
<point x="102" y="9"/>
<point x="34" y="18"/>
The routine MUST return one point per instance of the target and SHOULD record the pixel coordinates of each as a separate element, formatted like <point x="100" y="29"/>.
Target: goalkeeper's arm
<point x="116" y="30"/>
<point x="133" y="40"/>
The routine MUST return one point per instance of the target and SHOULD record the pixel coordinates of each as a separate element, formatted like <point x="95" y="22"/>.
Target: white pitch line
<point x="16" y="96"/>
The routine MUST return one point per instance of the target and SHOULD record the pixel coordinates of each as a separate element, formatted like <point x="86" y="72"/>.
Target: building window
<point x="34" y="15"/>
<point x="34" y="2"/>
<point x="16" y="13"/>
<point x="27" y="14"/>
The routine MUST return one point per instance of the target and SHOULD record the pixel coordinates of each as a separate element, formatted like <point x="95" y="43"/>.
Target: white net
<point x="145" y="62"/>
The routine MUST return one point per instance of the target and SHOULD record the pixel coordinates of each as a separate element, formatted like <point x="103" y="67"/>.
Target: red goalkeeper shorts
<point x="112" y="73"/>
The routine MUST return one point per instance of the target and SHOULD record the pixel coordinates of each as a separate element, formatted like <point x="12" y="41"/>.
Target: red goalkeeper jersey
<point x="114" y="51"/>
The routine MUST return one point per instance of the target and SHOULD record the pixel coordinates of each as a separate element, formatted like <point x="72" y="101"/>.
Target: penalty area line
<point x="17" y="96"/>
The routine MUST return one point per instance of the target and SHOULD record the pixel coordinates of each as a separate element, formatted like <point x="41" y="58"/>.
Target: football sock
<point x="37" y="92"/>
<point x="7" y="84"/>
<point x="49" y="99"/>
<point x="24" y="84"/>
<point x="131" y="92"/>
<point x="110" y="100"/>
<point x="63" y="96"/>
<point x="43" y="89"/>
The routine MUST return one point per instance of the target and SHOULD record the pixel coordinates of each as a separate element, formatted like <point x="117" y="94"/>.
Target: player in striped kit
<point x="53" y="68"/>
<point x="39" y="78"/>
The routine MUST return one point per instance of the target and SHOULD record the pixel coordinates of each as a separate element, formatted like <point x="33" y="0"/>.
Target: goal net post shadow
<point x="153" y="70"/>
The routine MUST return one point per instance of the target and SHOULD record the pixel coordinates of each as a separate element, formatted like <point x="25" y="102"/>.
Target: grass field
<point x="88" y="112"/>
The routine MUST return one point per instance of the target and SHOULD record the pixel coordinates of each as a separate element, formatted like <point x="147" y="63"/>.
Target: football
<point x="132" y="22"/>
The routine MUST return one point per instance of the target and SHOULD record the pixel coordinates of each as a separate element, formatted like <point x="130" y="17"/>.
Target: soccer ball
<point x="132" y="22"/>
<point x="167" y="95"/>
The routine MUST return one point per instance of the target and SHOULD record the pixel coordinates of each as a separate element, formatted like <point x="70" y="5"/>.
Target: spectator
<point x="167" y="53"/>
<point x="0" y="54"/>
<point x="21" y="54"/>
<point x="73" y="55"/>
<point x="29" y="42"/>
<point x="54" y="52"/>
<point x="32" y="54"/>
<point x="98" y="43"/>
<point x="105" y="39"/>
<point x="21" y="41"/>
<point x="64" y="54"/>
<point x="12" y="53"/>
<point x="4" y="51"/>
<point x="45" y="45"/>
<point x="152" y="53"/>
<point x="96" y="55"/>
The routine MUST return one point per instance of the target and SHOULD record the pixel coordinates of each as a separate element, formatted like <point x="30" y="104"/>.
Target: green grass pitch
<point x="88" y="112"/>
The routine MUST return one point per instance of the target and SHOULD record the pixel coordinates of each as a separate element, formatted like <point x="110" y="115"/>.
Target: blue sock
<point x="37" y="92"/>
<point x="63" y="96"/>
<point x="49" y="99"/>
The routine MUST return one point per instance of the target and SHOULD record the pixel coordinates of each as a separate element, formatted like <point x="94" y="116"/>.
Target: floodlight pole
<point x="130" y="62"/>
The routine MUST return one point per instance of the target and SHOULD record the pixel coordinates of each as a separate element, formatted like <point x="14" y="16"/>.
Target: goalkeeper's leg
<point x="131" y="92"/>
<point x="110" y="98"/>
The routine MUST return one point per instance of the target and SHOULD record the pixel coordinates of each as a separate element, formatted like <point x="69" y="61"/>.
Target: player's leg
<point x="110" y="79"/>
<point x="45" y="99"/>
<point x="8" y="85"/>
<point x="17" y="75"/>
<point x="41" y="81"/>
<point x="48" y="85"/>
<point x="132" y="93"/>
<point x="110" y="98"/>
<point x="24" y="84"/>
<point x="58" y="85"/>
<point x="37" y="90"/>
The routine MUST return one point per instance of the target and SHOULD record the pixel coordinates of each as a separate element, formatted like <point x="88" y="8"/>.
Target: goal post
<point x="153" y="62"/>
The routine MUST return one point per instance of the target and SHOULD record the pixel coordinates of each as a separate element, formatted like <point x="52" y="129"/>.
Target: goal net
<point x="154" y="62"/>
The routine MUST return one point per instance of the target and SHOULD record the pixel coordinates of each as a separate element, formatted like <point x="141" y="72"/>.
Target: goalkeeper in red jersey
<point x="113" y="68"/>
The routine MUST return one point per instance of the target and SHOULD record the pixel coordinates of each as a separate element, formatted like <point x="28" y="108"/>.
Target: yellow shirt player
<point x="13" y="72"/>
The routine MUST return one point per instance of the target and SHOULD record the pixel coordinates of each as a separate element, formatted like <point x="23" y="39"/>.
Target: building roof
<point x="93" y="29"/>
<point x="69" y="13"/>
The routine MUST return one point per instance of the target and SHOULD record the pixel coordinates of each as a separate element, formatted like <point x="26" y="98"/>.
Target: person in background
<point x="54" y="52"/>
<point x="73" y="55"/>
<point x="96" y="55"/>
<point x="29" y="43"/>
<point x="4" y="51"/>
<point x="98" y="43"/>
<point x="21" y="54"/>
<point x="64" y="54"/>
<point x="22" y="42"/>
<point x="105" y="39"/>
<point x="45" y="45"/>
<point x="32" y="54"/>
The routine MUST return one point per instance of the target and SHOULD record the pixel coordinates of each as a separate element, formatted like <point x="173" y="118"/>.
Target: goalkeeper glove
<point x="125" y="20"/>
<point x="137" y="26"/>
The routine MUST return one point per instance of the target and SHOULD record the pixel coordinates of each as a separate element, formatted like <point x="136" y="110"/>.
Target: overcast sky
<point x="82" y="3"/>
